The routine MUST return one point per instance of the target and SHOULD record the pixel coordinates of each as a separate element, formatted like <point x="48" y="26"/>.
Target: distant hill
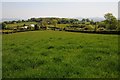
<point x="10" y="19"/>
<point x="80" y="18"/>
<point x="92" y="18"/>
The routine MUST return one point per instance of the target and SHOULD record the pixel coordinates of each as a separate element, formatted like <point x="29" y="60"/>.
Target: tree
<point x="92" y="22"/>
<point x="54" y="22"/>
<point x="83" y="21"/>
<point x="44" y="23"/>
<point x="111" y="21"/>
<point x="24" y="25"/>
<point x="19" y="21"/>
<point x="87" y="20"/>
<point x="24" y="20"/>
<point x="36" y="27"/>
<point x="88" y="27"/>
<point x="101" y="25"/>
<point x="118" y="26"/>
<point x="96" y="26"/>
<point x="3" y="25"/>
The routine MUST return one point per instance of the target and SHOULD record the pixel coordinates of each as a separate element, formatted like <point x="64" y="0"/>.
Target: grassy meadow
<point x="62" y="25"/>
<point x="59" y="54"/>
<point x="19" y="24"/>
<point x="28" y="23"/>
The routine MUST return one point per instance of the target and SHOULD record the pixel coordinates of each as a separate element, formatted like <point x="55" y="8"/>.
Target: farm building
<point x="32" y="25"/>
<point x="25" y="27"/>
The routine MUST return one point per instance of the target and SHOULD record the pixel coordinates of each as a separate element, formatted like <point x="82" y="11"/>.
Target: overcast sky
<point x="59" y="0"/>
<point x="58" y="9"/>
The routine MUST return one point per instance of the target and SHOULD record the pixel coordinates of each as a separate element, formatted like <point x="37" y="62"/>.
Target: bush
<point x="101" y="29"/>
<point x="101" y="25"/>
<point x="88" y="27"/>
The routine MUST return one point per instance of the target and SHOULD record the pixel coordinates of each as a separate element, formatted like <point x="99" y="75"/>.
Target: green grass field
<point x="57" y="54"/>
<point x="28" y="23"/>
<point x="19" y="24"/>
<point x="63" y="25"/>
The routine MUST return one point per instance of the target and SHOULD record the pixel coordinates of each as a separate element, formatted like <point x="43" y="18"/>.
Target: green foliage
<point x="54" y="22"/>
<point x="101" y="29"/>
<point x="36" y="27"/>
<point x="19" y="24"/>
<point x="43" y="23"/>
<point x="3" y="25"/>
<point x="118" y="26"/>
<point x="89" y="27"/>
<point x="83" y="20"/>
<point x="86" y="20"/>
<point x="55" y="54"/>
<point x="111" y="21"/>
<point x="63" y="25"/>
<point x="101" y="25"/>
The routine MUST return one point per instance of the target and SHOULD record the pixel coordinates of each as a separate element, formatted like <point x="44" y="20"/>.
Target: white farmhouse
<point x="32" y="25"/>
<point x="25" y="27"/>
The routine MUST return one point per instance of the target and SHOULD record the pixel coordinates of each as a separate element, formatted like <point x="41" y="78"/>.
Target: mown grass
<point x="54" y="54"/>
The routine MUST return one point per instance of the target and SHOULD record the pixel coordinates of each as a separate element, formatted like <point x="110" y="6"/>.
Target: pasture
<point x="62" y="25"/>
<point x="58" y="54"/>
<point x="28" y="23"/>
<point x="19" y="24"/>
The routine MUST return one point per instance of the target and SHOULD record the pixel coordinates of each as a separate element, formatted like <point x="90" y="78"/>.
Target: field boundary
<point x="92" y="32"/>
<point x="96" y="32"/>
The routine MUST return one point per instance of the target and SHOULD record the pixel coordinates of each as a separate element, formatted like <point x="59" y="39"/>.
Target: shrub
<point x="88" y="27"/>
<point x="101" y="29"/>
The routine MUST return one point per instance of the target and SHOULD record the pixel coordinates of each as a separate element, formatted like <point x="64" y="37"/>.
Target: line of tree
<point x="110" y="23"/>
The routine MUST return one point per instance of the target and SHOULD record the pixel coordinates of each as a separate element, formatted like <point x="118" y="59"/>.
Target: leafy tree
<point x="118" y="26"/>
<point x="83" y="21"/>
<point x="92" y="22"/>
<point x="87" y="20"/>
<point x="19" y="21"/>
<point x="24" y="25"/>
<point x="43" y="23"/>
<point x="14" y="22"/>
<point x="3" y="25"/>
<point x="36" y="27"/>
<point x="96" y="26"/>
<point x="110" y="21"/>
<point x="88" y="27"/>
<point x="54" y="22"/>
<point x="23" y="20"/>
<point x="101" y="25"/>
